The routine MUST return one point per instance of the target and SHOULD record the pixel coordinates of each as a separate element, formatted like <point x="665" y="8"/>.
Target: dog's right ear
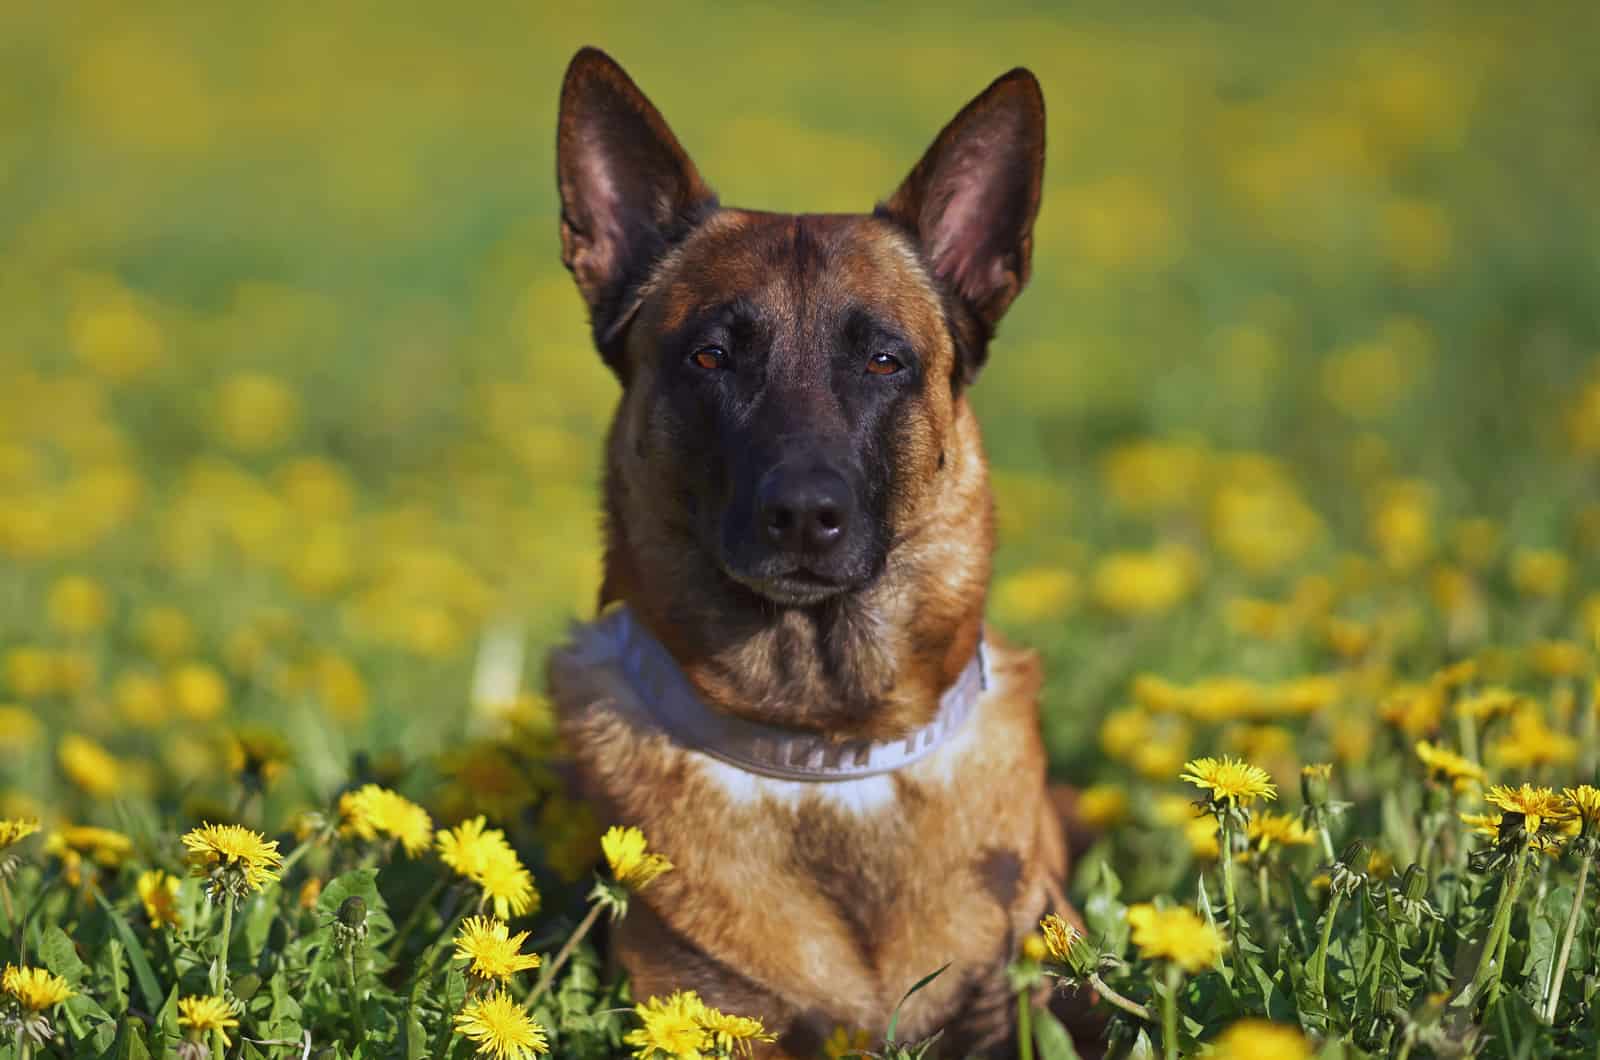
<point x="628" y="192"/>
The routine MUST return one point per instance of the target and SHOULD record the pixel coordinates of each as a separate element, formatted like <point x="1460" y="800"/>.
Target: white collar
<point x="618" y="641"/>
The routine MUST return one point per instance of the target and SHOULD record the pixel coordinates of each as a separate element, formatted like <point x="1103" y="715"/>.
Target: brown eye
<point x="710" y="358"/>
<point x="884" y="364"/>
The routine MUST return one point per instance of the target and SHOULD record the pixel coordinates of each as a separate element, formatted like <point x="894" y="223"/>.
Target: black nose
<point x="804" y="511"/>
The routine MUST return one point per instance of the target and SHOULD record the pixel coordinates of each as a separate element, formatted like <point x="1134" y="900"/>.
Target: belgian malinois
<point x="791" y="689"/>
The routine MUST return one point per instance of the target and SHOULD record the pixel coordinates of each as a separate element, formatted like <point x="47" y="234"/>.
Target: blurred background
<point x="300" y="422"/>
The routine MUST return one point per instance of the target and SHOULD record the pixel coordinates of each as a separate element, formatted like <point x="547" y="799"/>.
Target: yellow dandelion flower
<point x="1490" y="703"/>
<point x="1201" y="834"/>
<point x="259" y="756"/>
<point x="1230" y="780"/>
<point x="77" y="605"/>
<point x="491" y="951"/>
<point x="230" y="847"/>
<point x="1256" y="1039"/>
<point x="1539" y="572"/>
<point x="483" y="856"/>
<point x="1268" y="830"/>
<point x="199" y="691"/>
<point x="1530" y="743"/>
<point x="1416" y="710"/>
<point x="1583" y="801"/>
<point x="91" y="767"/>
<point x="372" y="810"/>
<point x="16" y="831"/>
<point x="201" y="1015"/>
<point x="1484" y="824"/>
<point x="19" y="728"/>
<point x="733" y="1035"/>
<point x="1176" y="935"/>
<point x="1558" y="658"/>
<point x="1538" y="806"/>
<point x="159" y="893"/>
<point x="1140" y="584"/>
<point x="672" y="1028"/>
<point x="165" y="632"/>
<point x="35" y="989"/>
<point x="500" y="1029"/>
<point x="1034" y="948"/>
<point x="1444" y="764"/>
<point x="1101" y="806"/>
<point x="108" y="848"/>
<point x="631" y="863"/>
<point x="1058" y="937"/>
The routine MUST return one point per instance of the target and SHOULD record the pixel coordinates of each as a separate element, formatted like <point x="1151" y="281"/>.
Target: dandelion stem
<point x="1319" y="959"/>
<point x="1467" y="730"/>
<point x="219" y="974"/>
<point x="548" y="976"/>
<point x="1132" y="1008"/>
<point x="1169" y="1013"/>
<point x="1262" y="884"/>
<point x="1322" y="831"/>
<point x="356" y="1008"/>
<point x="1229" y="901"/>
<point x="1497" y="929"/>
<point x="1566" y="945"/>
<point x="1024" y="1025"/>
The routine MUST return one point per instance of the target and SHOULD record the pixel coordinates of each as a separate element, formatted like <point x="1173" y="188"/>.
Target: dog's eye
<point x="884" y="364"/>
<point x="710" y="358"/>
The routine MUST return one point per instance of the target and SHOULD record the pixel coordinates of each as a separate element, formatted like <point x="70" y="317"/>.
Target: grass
<point x="1294" y="439"/>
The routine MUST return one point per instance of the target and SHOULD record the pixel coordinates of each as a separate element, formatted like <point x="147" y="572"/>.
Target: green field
<point x="298" y="416"/>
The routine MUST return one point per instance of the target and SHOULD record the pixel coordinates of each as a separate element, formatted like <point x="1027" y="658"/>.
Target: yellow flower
<point x="672" y="1028"/>
<point x="490" y="949"/>
<point x="370" y="810"/>
<point x="258" y="755"/>
<point x="165" y="632"/>
<point x="632" y="865"/>
<point x="230" y="847"/>
<point x="1558" y="658"/>
<point x="1101" y="805"/>
<point x="1539" y="572"/>
<point x="1034" y="595"/>
<point x="1541" y="808"/>
<point x="1530" y="742"/>
<point x="1034" y="948"/>
<point x="159" y="893"/>
<point x="19" y="728"/>
<point x="500" y="1029"/>
<point x="484" y="857"/>
<point x="1058" y="937"/>
<point x="1260" y="1040"/>
<point x="199" y="691"/>
<point x="1416" y="710"/>
<point x="1176" y="934"/>
<point x="1139" y="584"/>
<point x="1484" y="824"/>
<point x="106" y="847"/>
<point x="1230" y="780"/>
<point x="77" y="605"/>
<point x="1277" y="829"/>
<point x="91" y="767"/>
<point x="16" y="831"/>
<point x="733" y="1035"/>
<point x="1583" y="801"/>
<point x="256" y="413"/>
<point x="35" y="989"/>
<point x="202" y="1015"/>
<point x="1201" y="835"/>
<point x="1444" y="764"/>
<point x="843" y="1042"/>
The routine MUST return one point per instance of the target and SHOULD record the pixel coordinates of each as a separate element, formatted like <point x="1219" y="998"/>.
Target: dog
<point x="791" y="689"/>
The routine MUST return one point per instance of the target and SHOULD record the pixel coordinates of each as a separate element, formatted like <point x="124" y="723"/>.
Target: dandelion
<point x="491" y="951"/>
<point x="843" y="1041"/>
<point x="500" y="1029"/>
<point x="371" y="810"/>
<point x="202" y="1015"/>
<point x="91" y="767"/>
<point x="631" y="863"/>
<point x="158" y="892"/>
<point x="672" y="1027"/>
<point x="13" y="832"/>
<point x="35" y="992"/>
<point x="232" y="858"/>
<point x="1101" y="806"/>
<point x="1543" y="811"/>
<point x="1583" y="802"/>
<point x="259" y="756"/>
<point x="77" y="605"/>
<point x="1058" y="937"/>
<point x="1260" y="1040"/>
<point x="483" y="856"/>
<point x="1443" y="764"/>
<point x="198" y="691"/>
<point x="1230" y="781"/>
<point x="1175" y="935"/>
<point x="1531" y="743"/>
<point x="1268" y="830"/>
<point x="733" y="1035"/>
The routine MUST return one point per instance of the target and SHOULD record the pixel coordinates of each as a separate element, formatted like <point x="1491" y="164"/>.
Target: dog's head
<point x="791" y="382"/>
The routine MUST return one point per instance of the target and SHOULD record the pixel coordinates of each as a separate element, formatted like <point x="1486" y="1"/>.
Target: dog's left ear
<point x="971" y="202"/>
<point x="628" y="192"/>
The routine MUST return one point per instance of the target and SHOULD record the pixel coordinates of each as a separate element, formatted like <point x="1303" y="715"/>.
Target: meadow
<point x="1294" y="440"/>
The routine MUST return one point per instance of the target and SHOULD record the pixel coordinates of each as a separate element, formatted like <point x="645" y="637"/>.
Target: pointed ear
<point x="971" y="203"/>
<point x="628" y="192"/>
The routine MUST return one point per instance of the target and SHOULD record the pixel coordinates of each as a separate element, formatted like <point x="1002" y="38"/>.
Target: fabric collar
<point x="618" y="639"/>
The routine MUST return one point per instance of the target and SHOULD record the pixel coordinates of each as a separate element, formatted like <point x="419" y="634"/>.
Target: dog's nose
<point x="804" y="511"/>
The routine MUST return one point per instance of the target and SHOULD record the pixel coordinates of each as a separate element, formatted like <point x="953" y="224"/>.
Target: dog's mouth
<point x="798" y="586"/>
